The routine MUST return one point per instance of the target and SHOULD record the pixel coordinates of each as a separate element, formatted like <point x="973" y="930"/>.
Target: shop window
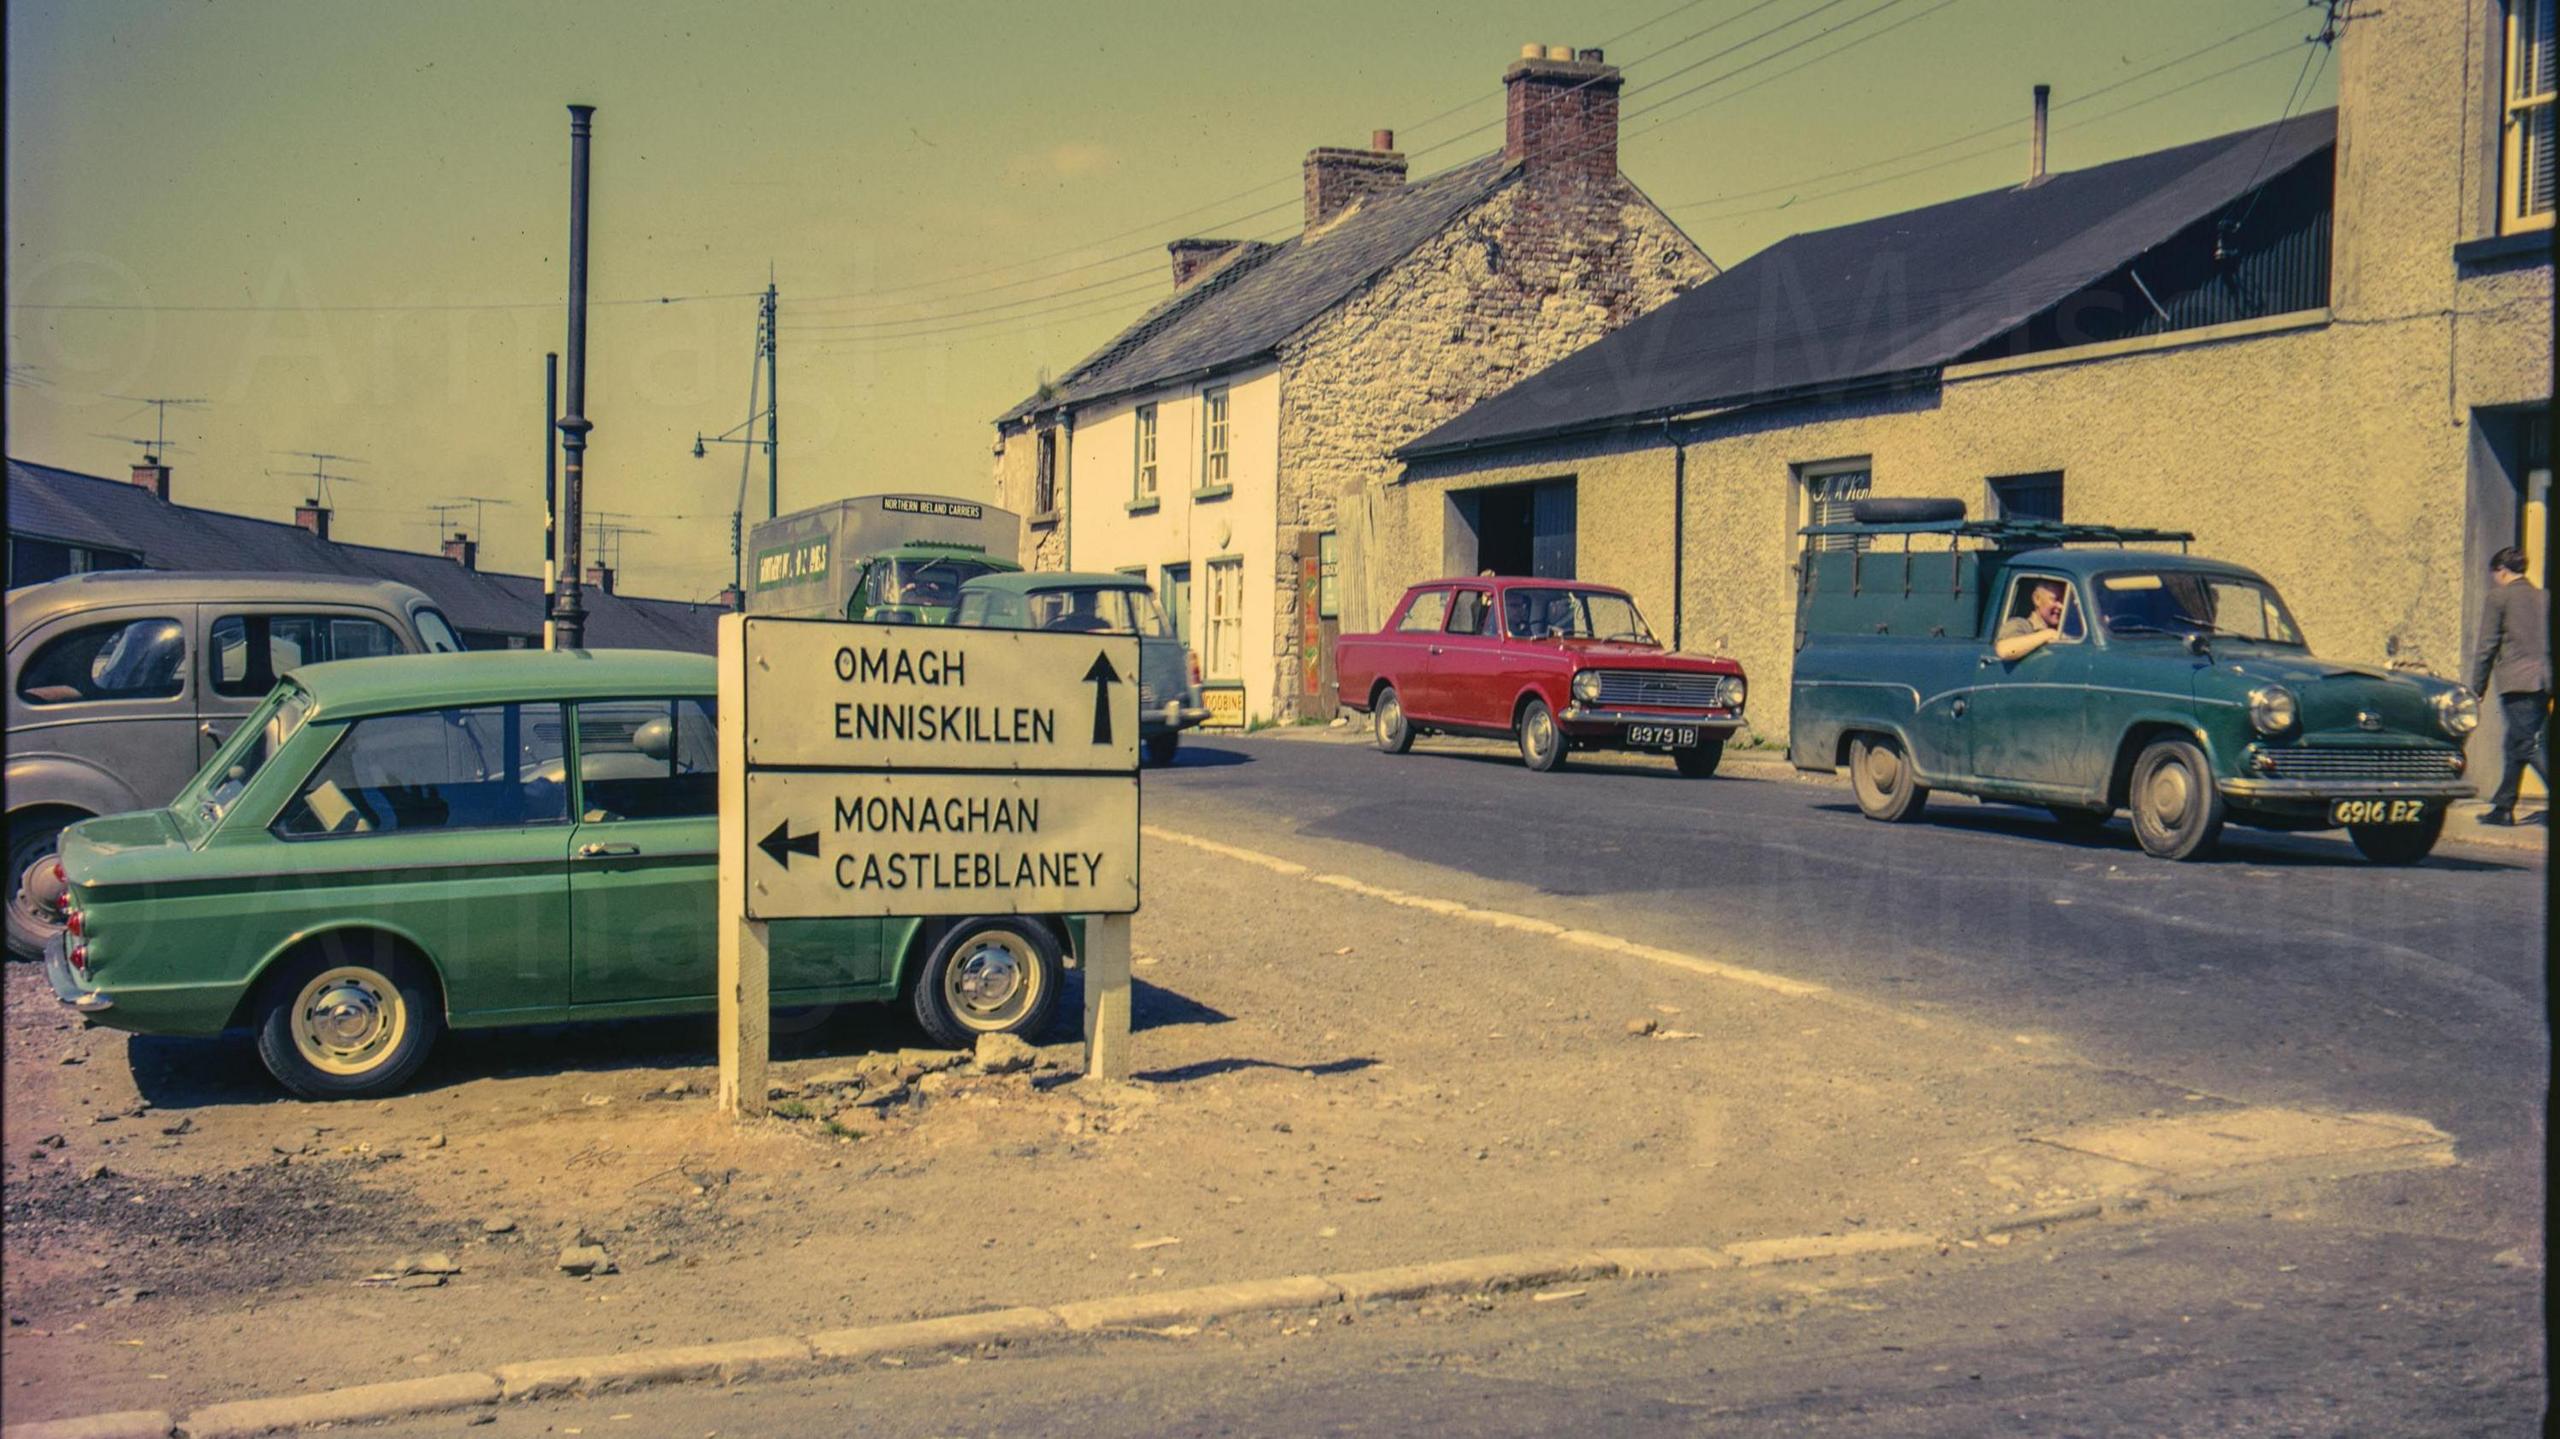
<point x="1226" y="619"/>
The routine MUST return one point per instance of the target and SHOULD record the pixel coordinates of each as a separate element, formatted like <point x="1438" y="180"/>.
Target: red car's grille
<point x="1661" y="689"/>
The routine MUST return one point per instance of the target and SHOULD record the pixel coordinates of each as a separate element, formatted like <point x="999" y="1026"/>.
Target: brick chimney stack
<point x="1560" y="113"/>
<point x="313" y="516"/>
<point x="733" y="599"/>
<point x="152" y="475"/>
<point x="1190" y="257"/>
<point x="463" y="550"/>
<point x="600" y="577"/>
<point x="1337" y="179"/>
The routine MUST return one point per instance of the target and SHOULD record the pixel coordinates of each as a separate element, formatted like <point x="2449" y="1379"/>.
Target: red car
<point x="1556" y="665"/>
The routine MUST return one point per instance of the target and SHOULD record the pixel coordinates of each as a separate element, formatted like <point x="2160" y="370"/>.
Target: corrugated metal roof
<point x="1256" y="301"/>
<point x="57" y="504"/>
<point x="1902" y="294"/>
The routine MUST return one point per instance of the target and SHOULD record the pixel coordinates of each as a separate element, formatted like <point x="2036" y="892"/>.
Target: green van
<point x="2171" y="686"/>
<point x="389" y="847"/>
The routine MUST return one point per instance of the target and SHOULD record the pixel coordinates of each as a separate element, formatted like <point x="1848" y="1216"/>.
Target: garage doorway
<point x="1523" y="529"/>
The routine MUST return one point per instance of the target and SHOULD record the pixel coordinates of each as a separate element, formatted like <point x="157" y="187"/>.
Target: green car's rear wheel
<point x="349" y="1018"/>
<point x="989" y="976"/>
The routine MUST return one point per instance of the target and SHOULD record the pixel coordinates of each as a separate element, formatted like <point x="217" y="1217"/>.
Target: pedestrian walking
<point x="2514" y="653"/>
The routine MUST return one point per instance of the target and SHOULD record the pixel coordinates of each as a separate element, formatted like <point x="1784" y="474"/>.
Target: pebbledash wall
<point x="2344" y="452"/>
<point x="1562" y="252"/>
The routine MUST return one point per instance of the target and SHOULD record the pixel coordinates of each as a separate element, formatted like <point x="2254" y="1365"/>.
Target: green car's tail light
<point x="2458" y="711"/>
<point x="2273" y="709"/>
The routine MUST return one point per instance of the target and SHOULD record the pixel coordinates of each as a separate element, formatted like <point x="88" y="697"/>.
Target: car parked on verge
<point x="1554" y="665"/>
<point x="2176" y="687"/>
<point x="1168" y="673"/>
<point x="386" y="848"/>
<point x="122" y="683"/>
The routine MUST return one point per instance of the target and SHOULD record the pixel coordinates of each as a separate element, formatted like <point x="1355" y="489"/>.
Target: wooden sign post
<point x="923" y="770"/>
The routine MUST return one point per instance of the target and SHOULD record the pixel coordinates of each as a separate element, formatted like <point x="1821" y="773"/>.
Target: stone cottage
<point x="1225" y="445"/>
<point x="2324" y="346"/>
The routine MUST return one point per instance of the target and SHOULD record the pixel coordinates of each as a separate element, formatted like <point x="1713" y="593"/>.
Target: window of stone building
<point x="1213" y="437"/>
<point x="1044" y="473"/>
<point x="1146" y="453"/>
<point x="1829" y="489"/>
<point x="1226" y="619"/>
<point x="2527" y="181"/>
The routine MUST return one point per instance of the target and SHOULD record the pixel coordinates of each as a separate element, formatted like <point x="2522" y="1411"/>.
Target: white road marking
<point x="1502" y="919"/>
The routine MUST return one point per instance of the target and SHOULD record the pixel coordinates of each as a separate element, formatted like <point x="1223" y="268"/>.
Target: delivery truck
<point x="892" y="558"/>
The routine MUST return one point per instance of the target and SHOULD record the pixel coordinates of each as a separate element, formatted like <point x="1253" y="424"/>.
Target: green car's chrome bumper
<point x="66" y="985"/>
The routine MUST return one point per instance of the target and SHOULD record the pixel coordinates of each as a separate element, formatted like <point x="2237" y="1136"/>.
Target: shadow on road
<point x="1206" y="1068"/>
<point x="1196" y="756"/>
<point x="2265" y="849"/>
<point x="1152" y="1006"/>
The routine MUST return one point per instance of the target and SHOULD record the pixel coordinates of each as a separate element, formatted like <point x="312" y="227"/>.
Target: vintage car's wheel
<point x="1161" y="748"/>
<point x="2080" y="823"/>
<point x="350" y="1018"/>
<point x="2177" y="812"/>
<point x="989" y="976"/>
<point x="1700" y="762"/>
<point x="35" y="898"/>
<point x="1395" y="736"/>
<point x="2399" y="843"/>
<point x="1541" y="742"/>
<point x="1880" y="775"/>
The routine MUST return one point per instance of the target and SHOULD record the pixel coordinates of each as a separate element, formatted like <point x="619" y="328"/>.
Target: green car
<point x="389" y="847"/>
<point x="2054" y="665"/>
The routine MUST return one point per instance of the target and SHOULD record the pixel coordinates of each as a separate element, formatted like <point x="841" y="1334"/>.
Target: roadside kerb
<point x="781" y="1355"/>
<point x="363" y="1404"/>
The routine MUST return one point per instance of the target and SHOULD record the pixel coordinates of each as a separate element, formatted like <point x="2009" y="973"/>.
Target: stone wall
<point x="1017" y="450"/>
<point x="1538" y="271"/>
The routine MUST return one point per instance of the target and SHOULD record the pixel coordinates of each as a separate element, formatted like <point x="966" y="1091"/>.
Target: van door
<point x="2030" y="719"/>
<point x="112" y="689"/>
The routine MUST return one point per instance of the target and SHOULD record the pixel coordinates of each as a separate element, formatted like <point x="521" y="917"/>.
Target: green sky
<point x="954" y="197"/>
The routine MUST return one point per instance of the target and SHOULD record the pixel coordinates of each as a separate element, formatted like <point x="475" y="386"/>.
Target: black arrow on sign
<point x="1102" y="677"/>
<point x="782" y="844"/>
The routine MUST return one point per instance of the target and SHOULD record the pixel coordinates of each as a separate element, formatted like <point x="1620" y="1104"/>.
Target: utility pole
<point x="550" y="497"/>
<point x="772" y="398"/>
<point x="568" y="609"/>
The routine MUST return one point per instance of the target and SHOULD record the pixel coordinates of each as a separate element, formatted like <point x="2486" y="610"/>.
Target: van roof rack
<point x="2011" y="534"/>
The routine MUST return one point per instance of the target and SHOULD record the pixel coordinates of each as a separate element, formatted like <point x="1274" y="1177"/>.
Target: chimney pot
<point x="152" y="475"/>
<point x="1533" y="52"/>
<point x="313" y="516"/>
<point x="1560" y="116"/>
<point x="1382" y="139"/>
<point x="1590" y="57"/>
<point x="463" y="550"/>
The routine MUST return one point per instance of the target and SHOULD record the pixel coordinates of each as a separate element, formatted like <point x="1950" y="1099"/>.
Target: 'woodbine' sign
<point x="929" y="770"/>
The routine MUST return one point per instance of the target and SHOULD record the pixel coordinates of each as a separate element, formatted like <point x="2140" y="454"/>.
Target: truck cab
<point x="2089" y="668"/>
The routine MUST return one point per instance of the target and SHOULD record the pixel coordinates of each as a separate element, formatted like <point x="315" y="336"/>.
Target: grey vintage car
<point x="123" y="683"/>
<point x="1168" y="673"/>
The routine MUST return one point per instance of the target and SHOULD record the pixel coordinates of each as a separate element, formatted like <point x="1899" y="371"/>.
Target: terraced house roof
<point x="65" y="505"/>
<point x="1257" y="299"/>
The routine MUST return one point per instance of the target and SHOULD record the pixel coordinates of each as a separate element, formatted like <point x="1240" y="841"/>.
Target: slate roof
<point x="1257" y="300"/>
<point x="1900" y="295"/>
<point x="56" y="504"/>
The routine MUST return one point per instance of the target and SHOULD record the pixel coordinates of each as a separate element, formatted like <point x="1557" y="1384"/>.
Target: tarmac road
<point x="2287" y="968"/>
